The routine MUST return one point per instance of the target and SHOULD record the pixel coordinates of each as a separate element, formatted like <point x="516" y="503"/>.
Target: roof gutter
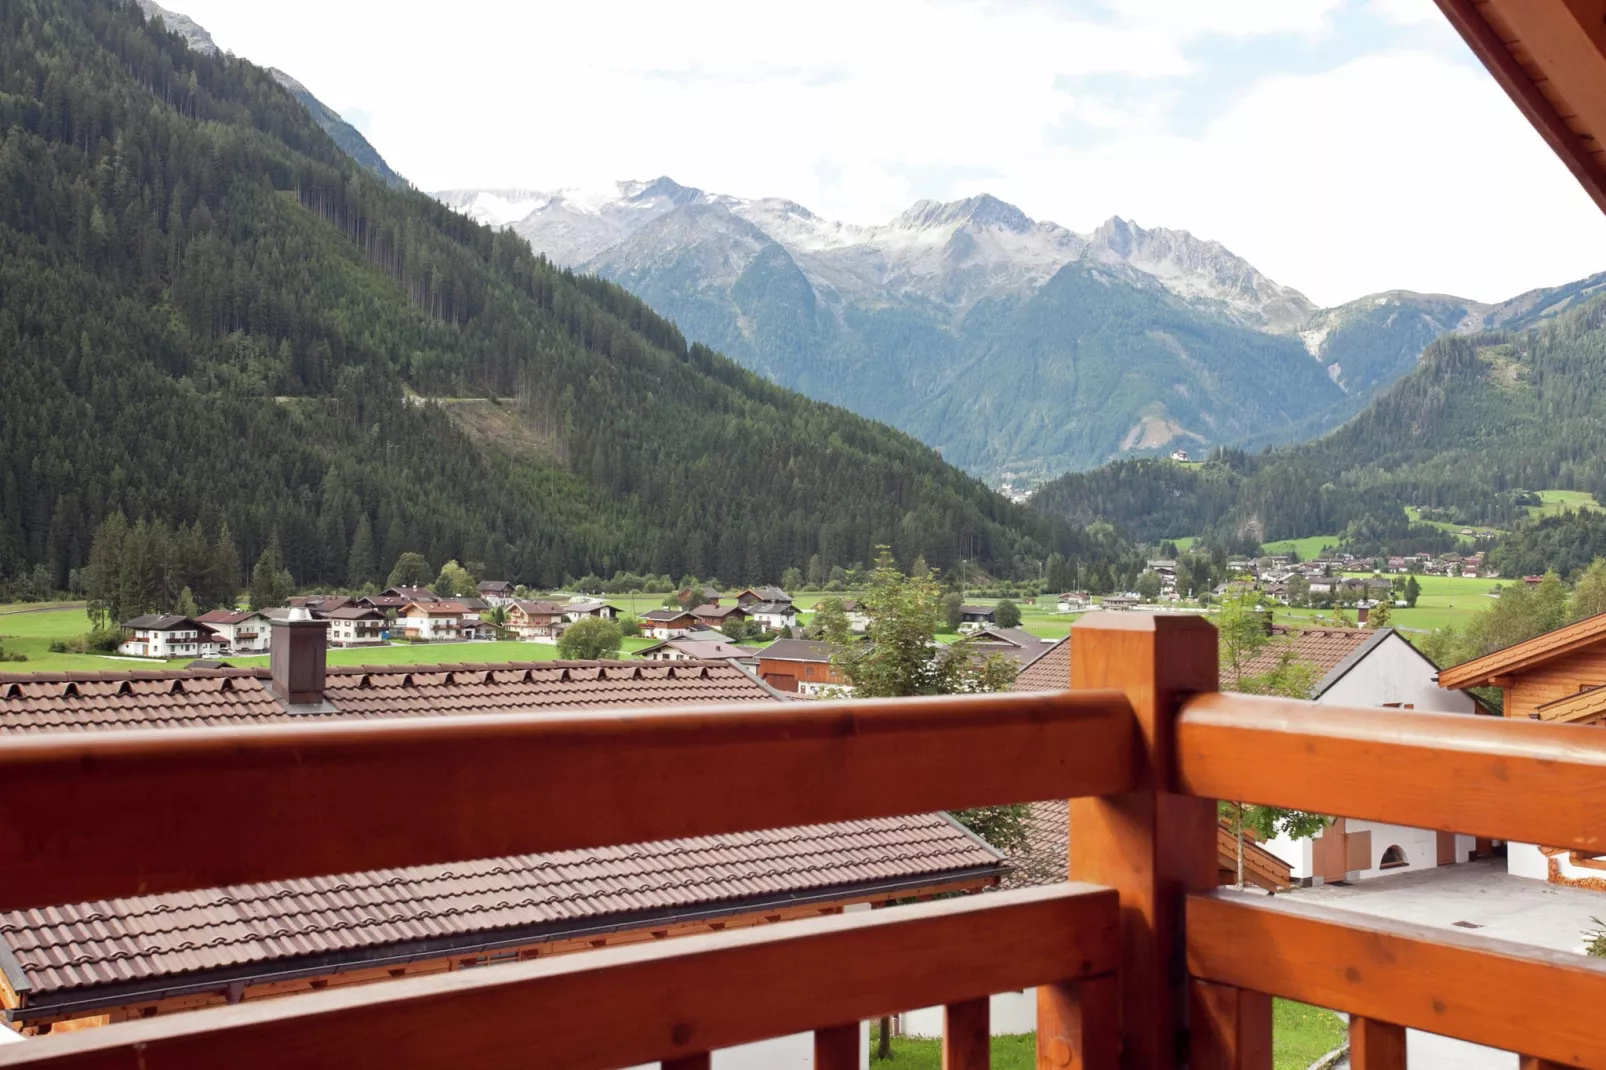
<point x="221" y="979"/>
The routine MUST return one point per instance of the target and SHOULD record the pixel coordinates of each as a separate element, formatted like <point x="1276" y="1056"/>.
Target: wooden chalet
<point x="801" y="666"/>
<point x="1139" y="963"/>
<point x="713" y="615"/>
<point x="1559" y="676"/>
<point x="535" y="619"/>
<point x="668" y="623"/>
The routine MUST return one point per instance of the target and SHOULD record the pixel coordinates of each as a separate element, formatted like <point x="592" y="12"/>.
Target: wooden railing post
<point x="1375" y="1045"/>
<point x="1149" y="844"/>
<point x="967" y="1035"/>
<point x="837" y="1048"/>
<point x="1228" y="1028"/>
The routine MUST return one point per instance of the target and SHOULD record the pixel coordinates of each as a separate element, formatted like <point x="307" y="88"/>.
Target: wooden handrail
<point x="1493" y="992"/>
<point x="95" y="815"/>
<point x="1509" y="779"/>
<point x="629" y="1005"/>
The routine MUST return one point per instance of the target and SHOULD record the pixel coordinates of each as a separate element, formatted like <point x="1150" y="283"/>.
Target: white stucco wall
<point x="1524" y="860"/>
<point x="1392" y="672"/>
<point x="1395" y="672"/>
<point x="1010" y="1013"/>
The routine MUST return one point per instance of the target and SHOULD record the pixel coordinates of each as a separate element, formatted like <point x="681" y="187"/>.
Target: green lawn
<point x="1300" y="1036"/>
<point x="1556" y="501"/>
<point x="1307" y="548"/>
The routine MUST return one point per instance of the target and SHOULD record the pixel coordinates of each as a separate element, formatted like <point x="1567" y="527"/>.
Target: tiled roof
<point x="226" y="616"/>
<point x="437" y="609"/>
<point x="699" y="648"/>
<point x="1525" y="655"/>
<point x="198" y="698"/>
<point x="664" y="616"/>
<point x="1323" y="648"/>
<point x="160" y="622"/>
<point x="1051" y="672"/>
<point x="429" y="911"/>
<point x="797" y="650"/>
<point x="1042" y="859"/>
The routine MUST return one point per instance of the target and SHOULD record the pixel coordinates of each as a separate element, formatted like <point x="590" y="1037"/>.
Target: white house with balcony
<point x="164" y="635"/>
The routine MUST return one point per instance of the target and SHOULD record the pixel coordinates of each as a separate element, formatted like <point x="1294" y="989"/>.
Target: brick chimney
<point x="298" y="653"/>
<point x="1362" y="613"/>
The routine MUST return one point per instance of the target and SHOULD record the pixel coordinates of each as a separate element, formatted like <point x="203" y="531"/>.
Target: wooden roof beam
<point x="1566" y="41"/>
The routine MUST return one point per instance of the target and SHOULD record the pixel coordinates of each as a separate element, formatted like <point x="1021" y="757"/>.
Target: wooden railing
<point x="1146" y="966"/>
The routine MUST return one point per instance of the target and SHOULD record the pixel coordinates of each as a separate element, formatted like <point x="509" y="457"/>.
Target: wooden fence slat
<point x="1229" y="1028"/>
<point x="1078" y="1024"/>
<point x="837" y="1047"/>
<point x="1509" y="779"/>
<point x="1375" y="1045"/>
<point x="1151" y="845"/>
<point x="97" y="815"/>
<point x="1492" y="992"/>
<point x="637" y="1004"/>
<point x="966" y="1035"/>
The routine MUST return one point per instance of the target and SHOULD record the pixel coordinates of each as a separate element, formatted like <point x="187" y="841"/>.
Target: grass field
<point x="1307" y="548"/>
<point x="26" y="629"/>
<point x="1300" y="1036"/>
<point x="1556" y="501"/>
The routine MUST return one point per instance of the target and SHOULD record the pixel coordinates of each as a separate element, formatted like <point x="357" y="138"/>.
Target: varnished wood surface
<point x="966" y="1035"/>
<point x="837" y="1047"/>
<point x="1229" y="1028"/>
<point x="1491" y="992"/>
<point x="1574" y="141"/>
<point x="626" y="1006"/>
<point x="1485" y="776"/>
<point x="1151" y="845"/>
<point x="1375" y="1045"/>
<point x="1078" y="1025"/>
<point x="86" y="816"/>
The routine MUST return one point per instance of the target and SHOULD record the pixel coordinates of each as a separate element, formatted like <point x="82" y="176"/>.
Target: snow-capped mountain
<point x="1017" y="346"/>
<point x="954" y="253"/>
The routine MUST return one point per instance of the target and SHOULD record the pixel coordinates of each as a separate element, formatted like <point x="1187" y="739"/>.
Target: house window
<point x="1393" y="858"/>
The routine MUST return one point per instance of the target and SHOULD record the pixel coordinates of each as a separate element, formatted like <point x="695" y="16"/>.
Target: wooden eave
<point x="1585" y="707"/>
<point x="1519" y="657"/>
<point x="1550" y="58"/>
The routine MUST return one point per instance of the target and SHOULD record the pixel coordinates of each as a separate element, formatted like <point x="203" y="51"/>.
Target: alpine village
<point x="561" y="627"/>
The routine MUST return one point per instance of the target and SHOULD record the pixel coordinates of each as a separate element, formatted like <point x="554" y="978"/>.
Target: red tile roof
<point x="1322" y="648"/>
<point x="429" y="911"/>
<point x="200" y="697"/>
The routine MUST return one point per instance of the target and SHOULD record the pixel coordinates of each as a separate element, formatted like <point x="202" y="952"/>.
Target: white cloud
<point x="1405" y="168"/>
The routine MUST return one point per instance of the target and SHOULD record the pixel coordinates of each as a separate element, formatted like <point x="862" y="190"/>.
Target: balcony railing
<point x="1146" y="966"/>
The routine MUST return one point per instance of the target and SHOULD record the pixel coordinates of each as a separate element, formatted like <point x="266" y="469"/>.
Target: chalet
<point x="1074" y="601"/>
<point x="755" y="595"/>
<point x="698" y="650"/>
<point x="973" y="617"/>
<point x="586" y="607"/>
<point x="496" y="592"/>
<point x="776" y="616"/>
<point x="356" y="625"/>
<point x="712" y="615"/>
<point x="388" y="604"/>
<point x="858" y="616"/>
<point x="667" y="623"/>
<point x="432" y="621"/>
<point x="242" y="632"/>
<point x="475" y="626"/>
<point x="800" y="666"/>
<point x="1120" y="601"/>
<point x="320" y="604"/>
<point x="1179" y="455"/>
<point x="247" y="942"/>
<point x="164" y="635"/>
<point x="411" y="594"/>
<point x="1558" y="677"/>
<point x="535" y="620"/>
<point x="1019" y="646"/>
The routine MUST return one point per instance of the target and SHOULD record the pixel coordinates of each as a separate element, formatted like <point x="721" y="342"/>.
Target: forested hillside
<point x="209" y="313"/>
<point x="1480" y="420"/>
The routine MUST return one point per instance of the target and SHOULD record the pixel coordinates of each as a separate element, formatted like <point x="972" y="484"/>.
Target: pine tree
<point x="223" y="579"/>
<point x="103" y="583"/>
<point x="360" y="563"/>
<point x="270" y="581"/>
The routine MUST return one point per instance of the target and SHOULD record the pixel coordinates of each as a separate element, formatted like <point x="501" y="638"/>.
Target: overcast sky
<point x="1342" y="146"/>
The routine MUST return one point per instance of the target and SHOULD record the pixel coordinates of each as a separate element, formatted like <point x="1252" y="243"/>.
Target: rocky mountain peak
<point x="193" y="33"/>
<point x="983" y="210"/>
